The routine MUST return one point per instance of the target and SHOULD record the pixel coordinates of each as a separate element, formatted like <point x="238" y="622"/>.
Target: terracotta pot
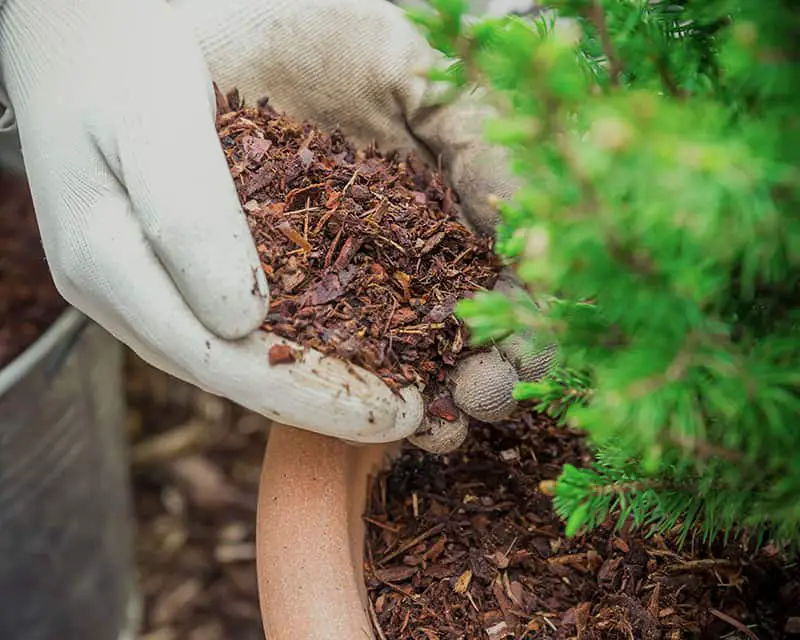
<point x="310" y="536"/>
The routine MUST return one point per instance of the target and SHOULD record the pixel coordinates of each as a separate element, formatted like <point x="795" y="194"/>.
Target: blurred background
<point x="195" y="462"/>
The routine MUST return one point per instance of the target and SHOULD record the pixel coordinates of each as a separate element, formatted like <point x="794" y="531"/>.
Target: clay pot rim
<point x="62" y="332"/>
<point x="293" y="475"/>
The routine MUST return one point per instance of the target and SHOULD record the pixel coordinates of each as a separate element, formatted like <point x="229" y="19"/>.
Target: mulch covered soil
<point x="29" y="301"/>
<point x="463" y="546"/>
<point x="466" y="546"/>
<point x="364" y="254"/>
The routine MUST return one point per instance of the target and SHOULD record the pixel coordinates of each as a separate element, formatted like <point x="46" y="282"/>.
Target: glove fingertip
<point x="440" y="436"/>
<point x="411" y="412"/>
<point x="531" y="363"/>
<point x="482" y="386"/>
<point x="230" y="313"/>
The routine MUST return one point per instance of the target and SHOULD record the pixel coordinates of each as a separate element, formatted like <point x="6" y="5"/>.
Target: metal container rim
<point x="68" y="323"/>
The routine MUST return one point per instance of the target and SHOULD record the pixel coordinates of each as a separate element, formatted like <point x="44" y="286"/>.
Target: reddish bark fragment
<point x="282" y="354"/>
<point x="444" y="407"/>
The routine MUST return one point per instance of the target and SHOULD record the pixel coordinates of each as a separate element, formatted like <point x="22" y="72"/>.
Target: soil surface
<point x="467" y="546"/>
<point x="29" y="301"/>
<point x="364" y="254"/>
<point x="478" y="552"/>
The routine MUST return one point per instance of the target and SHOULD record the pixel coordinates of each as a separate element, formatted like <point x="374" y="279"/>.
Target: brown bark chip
<point x="364" y="255"/>
<point x="499" y="567"/>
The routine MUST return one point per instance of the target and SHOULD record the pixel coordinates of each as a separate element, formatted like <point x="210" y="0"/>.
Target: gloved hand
<point x="139" y="217"/>
<point x="359" y="65"/>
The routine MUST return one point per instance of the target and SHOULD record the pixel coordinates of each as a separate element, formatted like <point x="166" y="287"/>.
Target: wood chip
<point x="462" y="582"/>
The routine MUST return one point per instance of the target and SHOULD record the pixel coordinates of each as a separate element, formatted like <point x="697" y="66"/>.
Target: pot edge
<point x="69" y="323"/>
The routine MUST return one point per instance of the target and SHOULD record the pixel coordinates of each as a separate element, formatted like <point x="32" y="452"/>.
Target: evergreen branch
<point x="597" y="16"/>
<point x="702" y="449"/>
<point x="668" y="79"/>
<point x="677" y="218"/>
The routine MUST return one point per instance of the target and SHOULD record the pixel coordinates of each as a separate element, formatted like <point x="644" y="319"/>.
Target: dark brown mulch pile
<point x="29" y="301"/>
<point x="467" y="546"/>
<point x="459" y="544"/>
<point x="364" y="255"/>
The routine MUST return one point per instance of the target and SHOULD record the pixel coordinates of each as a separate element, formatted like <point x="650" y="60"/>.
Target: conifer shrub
<point x="656" y="232"/>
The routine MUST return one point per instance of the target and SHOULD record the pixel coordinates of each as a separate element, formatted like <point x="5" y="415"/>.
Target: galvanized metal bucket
<point x="66" y="523"/>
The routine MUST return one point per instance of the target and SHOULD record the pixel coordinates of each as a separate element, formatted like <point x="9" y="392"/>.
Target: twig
<point x="390" y="316"/>
<point x="734" y="623"/>
<point x="412" y="543"/>
<point x="697" y="565"/>
<point x="597" y="16"/>
<point x="382" y="525"/>
<point x="411" y="596"/>
<point x="350" y="182"/>
<point x="374" y="617"/>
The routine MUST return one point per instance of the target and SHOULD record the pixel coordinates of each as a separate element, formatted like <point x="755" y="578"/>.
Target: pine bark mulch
<point x="467" y="546"/>
<point x="364" y="253"/>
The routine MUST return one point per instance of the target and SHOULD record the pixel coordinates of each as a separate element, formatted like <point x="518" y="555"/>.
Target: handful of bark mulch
<point x="364" y="255"/>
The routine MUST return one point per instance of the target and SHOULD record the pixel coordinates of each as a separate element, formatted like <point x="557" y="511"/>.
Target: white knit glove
<point x="139" y="216"/>
<point x="358" y="65"/>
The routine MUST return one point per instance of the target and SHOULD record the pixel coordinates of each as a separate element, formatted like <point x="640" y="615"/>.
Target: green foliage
<point x="658" y="145"/>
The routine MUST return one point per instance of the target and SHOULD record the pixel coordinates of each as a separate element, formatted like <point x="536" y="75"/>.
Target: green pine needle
<point x="657" y="146"/>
